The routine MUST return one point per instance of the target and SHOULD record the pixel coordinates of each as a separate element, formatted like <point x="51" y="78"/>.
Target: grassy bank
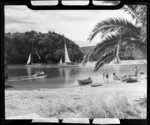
<point x="115" y="106"/>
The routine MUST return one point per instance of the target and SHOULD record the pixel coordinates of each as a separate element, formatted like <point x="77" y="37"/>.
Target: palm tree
<point x="116" y="34"/>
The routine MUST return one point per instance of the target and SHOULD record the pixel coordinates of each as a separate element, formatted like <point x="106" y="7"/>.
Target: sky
<point x="74" y="24"/>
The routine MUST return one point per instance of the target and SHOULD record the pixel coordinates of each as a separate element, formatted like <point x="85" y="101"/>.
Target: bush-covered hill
<point x="50" y="47"/>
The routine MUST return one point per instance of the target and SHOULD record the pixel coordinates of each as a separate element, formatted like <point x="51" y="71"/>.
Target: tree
<point x="117" y="34"/>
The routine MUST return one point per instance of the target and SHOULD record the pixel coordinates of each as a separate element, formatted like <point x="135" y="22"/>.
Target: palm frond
<point x="131" y="10"/>
<point x="131" y="33"/>
<point x="112" y="25"/>
<point x="106" y="46"/>
<point x="137" y="12"/>
<point x="85" y="59"/>
<point x="106" y="58"/>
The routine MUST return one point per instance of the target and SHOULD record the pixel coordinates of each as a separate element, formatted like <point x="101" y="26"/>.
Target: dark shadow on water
<point x="8" y="86"/>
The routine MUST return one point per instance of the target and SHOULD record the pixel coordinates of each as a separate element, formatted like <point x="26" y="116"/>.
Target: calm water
<point x="62" y="77"/>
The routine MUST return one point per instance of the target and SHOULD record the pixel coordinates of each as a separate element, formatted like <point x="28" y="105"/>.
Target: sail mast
<point x="37" y="53"/>
<point x="32" y="52"/>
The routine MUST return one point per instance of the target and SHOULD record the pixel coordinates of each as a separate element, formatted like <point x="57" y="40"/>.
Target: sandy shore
<point x="69" y="102"/>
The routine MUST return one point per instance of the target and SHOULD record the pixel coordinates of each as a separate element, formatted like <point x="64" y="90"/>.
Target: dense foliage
<point x="50" y="47"/>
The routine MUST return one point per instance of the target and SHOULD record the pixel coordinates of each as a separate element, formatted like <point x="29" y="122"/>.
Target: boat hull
<point x="84" y="82"/>
<point x="131" y="80"/>
<point x="96" y="84"/>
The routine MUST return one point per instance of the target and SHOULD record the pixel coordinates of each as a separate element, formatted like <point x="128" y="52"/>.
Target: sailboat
<point x="60" y="61"/>
<point x="30" y="59"/>
<point x="67" y="61"/>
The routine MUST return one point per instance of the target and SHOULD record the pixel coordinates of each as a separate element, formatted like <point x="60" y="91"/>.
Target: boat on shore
<point x="85" y="81"/>
<point x="96" y="84"/>
<point x="129" y="79"/>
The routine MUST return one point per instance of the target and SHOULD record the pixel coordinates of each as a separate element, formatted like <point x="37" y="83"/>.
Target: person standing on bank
<point x="136" y="71"/>
<point x="114" y="76"/>
<point x="107" y="77"/>
<point x="103" y="76"/>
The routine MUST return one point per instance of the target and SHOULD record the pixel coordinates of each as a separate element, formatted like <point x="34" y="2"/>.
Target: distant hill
<point x="86" y="49"/>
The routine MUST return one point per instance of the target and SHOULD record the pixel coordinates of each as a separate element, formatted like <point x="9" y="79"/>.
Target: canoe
<point x="84" y="82"/>
<point x="96" y="84"/>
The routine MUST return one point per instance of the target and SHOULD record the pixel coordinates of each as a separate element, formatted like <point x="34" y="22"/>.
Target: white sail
<point x="60" y="61"/>
<point x="66" y="55"/>
<point x="29" y="59"/>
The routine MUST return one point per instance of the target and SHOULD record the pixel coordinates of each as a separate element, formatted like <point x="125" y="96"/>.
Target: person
<point x="114" y="76"/>
<point x="136" y="71"/>
<point x="103" y="75"/>
<point x="107" y="77"/>
<point x="89" y="78"/>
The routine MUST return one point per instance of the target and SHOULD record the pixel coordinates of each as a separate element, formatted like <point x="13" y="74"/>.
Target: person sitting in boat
<point x="107" y="77"/>
<point x="39" y="73"/>
<point x="89" y="78"/>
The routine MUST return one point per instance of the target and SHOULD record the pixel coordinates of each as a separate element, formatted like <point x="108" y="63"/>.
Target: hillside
<point x="50" y="47"/>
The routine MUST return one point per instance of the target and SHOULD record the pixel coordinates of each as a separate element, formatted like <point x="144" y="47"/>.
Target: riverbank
<point x="116" y="99"/>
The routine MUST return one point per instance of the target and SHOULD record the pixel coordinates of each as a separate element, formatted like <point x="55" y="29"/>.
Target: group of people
<point x="106" y="75"/>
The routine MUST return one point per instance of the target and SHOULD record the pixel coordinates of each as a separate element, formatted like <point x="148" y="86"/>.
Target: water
<point x="62" y="77"/>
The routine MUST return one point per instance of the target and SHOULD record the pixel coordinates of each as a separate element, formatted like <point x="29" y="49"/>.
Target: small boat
<point x="96" y="84"/>
<point x="24" y="78"/>
<point x="131" y="80"/>
<point x="85" y="81"/>
<point x="39" y="73"/>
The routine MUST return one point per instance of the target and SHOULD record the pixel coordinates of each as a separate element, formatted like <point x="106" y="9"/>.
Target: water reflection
<point x="29" y="71"/>
<point x="67" y="74"/>
<point x="61" y="72"/>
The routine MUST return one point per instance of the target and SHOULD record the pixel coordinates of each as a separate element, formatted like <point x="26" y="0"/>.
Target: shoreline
<point x="123" y="62"/>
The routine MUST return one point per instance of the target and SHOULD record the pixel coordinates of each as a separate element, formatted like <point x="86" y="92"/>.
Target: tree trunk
<point x="117" y="54"/>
